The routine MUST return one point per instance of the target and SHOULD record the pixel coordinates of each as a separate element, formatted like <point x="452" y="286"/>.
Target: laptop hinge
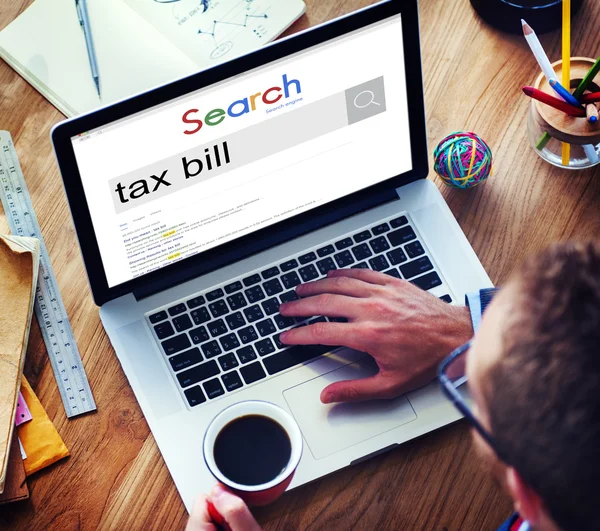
<point x="236" y="253"/>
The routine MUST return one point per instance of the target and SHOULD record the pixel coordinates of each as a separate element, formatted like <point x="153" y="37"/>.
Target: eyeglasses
<point x="452" y="376"/>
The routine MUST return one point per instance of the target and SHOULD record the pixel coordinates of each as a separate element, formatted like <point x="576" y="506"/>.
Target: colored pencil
<point x="543" y="142"/>
<point x="564" y="93"/>
<point x="538" y="51"/>
<point x="566" y="66"/>
<point x="592" y="97"/>
<point x="545" y="65"/>
<point x="589" y="77"/>
<point x="590" y="152"/>
<point x="546" y="98"/>
<point x="591" y="113"/>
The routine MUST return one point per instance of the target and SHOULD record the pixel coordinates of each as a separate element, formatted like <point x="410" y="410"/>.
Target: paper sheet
<point x="23" y="454"/>
<point x="23" y="414"/>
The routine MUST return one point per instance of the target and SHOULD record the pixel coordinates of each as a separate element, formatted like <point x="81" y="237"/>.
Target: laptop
<point x="200" y="206"/>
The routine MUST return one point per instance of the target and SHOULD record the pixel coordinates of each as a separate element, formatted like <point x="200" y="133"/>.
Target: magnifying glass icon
<point x="367" y="100"/>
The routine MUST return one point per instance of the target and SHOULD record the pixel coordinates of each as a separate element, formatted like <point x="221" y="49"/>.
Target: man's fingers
<point x="233" y="509"/>
<point x="340" y="285"/>
<point x="324" y="304"/>
<point x="376" y="387"/>
<point x="358" y="390"/>
<point x="332" y="334"/>
<point x="366" y="275"/>
<point x="199" y="518"/>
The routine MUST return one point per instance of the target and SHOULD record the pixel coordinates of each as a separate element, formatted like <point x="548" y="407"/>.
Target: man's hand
<point x="408" y="331"/>
<point x="232" y="509"/>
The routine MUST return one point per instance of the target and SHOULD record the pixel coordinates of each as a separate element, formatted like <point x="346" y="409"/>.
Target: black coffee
<point x="252" y="450"/>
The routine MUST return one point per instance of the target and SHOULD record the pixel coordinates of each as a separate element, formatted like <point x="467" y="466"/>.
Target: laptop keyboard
<point x="226" y="338"/>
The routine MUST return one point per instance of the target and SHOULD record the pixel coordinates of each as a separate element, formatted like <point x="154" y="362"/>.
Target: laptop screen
<point x="261" y="147"/>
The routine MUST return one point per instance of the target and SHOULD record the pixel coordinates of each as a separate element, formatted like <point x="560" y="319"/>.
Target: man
<point x="533" y="372"/>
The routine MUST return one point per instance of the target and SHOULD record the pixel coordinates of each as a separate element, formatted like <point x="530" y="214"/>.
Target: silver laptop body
<point x="325" y="123"/>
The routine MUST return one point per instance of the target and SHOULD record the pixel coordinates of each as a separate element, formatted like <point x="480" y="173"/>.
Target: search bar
<point x="275" y="134"/>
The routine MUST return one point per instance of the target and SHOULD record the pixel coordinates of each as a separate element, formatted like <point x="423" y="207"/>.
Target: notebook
<point x="19" y="263"/>
<point x="139" y="44"/>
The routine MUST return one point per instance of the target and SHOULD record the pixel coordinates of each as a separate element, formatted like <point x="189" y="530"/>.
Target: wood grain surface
<point x="115" y="477"/>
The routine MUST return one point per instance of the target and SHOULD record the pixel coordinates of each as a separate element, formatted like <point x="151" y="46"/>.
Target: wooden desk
<point x="116" y="479"/>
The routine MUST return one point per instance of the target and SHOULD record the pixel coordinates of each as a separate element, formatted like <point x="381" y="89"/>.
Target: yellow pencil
<point x="566" y="65"/>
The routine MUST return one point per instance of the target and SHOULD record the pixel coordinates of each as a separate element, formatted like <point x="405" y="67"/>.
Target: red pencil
<point x="544" y="97"/>
<point x="590" y="98"/>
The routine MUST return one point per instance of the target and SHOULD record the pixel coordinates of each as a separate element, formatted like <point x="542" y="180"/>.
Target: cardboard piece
<point x="19" y="262"/>
<point x="15" y="488"/>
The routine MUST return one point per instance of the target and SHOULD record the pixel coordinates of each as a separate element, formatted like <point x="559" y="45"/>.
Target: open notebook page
<point x="213" y="31"/>
<point x="46" y="46"/>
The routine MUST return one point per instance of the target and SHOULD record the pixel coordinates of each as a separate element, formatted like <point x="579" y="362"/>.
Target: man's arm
<point x="407" y="331"/>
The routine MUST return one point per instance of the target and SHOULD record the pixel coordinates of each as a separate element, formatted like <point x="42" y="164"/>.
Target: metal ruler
<point x="49" y="308"/>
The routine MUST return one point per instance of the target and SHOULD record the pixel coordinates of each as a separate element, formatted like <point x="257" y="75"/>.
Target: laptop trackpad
<point x="330" y="428"/>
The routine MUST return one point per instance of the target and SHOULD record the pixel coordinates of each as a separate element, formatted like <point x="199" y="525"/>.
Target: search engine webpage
<point x="259" y="148"/>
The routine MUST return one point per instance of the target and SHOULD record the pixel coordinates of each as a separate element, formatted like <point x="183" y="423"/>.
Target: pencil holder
<point x="548" y="128"/>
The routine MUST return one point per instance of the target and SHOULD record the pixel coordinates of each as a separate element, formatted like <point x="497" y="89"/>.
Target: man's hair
<point x="544" y="393"/>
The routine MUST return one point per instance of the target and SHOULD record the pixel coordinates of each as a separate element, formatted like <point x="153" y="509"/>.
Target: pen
<point x="564" y="93"/>
<point x="84" y="21"/>
<point x="554" y="102"/>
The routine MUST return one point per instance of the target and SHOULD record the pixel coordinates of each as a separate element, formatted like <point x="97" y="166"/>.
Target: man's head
<point x="534" y="373"/>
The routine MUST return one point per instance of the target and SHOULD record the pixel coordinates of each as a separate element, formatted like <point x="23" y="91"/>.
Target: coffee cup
<point x="253" y="448"/>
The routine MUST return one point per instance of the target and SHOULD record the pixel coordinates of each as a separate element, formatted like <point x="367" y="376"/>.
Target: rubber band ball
<point x="463" y="160"/>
